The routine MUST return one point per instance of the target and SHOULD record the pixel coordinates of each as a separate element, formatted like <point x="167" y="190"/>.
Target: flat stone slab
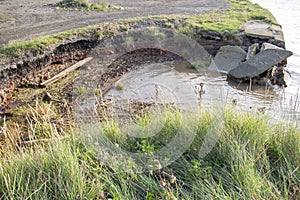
<point x="260" y="63"/>
<point x="263" y="30"/>
<point x="228" y="58"/>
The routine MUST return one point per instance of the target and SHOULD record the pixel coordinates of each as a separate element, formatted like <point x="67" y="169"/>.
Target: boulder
<point x="260" y="63"/>
<point x="229" y="57"/>
<point x="252" y="50"/>
<point x="267" y="45"/>
<point x="264" y="30"/>
<point x="211" y="35"/>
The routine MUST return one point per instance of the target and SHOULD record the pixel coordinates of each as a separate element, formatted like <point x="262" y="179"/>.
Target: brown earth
<point x="27" y="19"/>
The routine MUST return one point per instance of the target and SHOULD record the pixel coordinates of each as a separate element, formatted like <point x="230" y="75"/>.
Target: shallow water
<point x="176" y="82"/>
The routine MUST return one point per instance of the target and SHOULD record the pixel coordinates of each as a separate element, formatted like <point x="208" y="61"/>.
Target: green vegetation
<point x="18" y="48"/>
<point x="120" y="86"/>
<point x="251" y="160"/>
<point x="82" y="91"/>
<point x="199" y="66"/>
<point x="82" y="4"/>
<point x="97" y="92"/>
<point x="239" y="12"/>
<point x="169" y="25"/>
<point x="154" y="34"/>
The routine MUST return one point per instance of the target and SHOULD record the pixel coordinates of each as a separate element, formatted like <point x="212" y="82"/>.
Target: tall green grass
<point x="46" y="172"/>
<point x="251" y="160"/>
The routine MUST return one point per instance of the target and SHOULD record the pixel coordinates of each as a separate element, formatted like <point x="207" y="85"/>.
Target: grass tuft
<point x="84" y="5"/>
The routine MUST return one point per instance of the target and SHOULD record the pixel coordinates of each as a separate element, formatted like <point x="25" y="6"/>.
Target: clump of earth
<point x="80" y="4"/>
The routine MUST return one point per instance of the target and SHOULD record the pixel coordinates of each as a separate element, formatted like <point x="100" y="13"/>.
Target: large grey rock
<point x="263" y="30"/>
<point x="252" y="50"/>
<point x="229" y="57"/>
<point x="267" y="45"/>
<point x="260" y="63"/>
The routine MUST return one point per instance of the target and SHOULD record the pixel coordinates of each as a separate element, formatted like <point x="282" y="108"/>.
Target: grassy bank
<point x="228" y="20"/>
<point x="231" y="19"/>
<point x="251" y="160"/>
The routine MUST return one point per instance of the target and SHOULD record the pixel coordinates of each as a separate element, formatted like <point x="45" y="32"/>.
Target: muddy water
<point x="178" y="83"/>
